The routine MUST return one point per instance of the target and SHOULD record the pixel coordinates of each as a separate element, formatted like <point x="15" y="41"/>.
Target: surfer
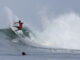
<point x="20" y="25"/>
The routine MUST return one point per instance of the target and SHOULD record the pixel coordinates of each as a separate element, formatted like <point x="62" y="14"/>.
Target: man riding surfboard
<point x="20" y="25"/>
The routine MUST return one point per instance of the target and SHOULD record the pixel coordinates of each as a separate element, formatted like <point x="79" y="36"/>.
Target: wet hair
<point x="19" y="20"/>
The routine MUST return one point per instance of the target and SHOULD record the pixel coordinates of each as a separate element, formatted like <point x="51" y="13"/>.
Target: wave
<point x="29" y="47"/>
<point x="29" y="38"/>
<point x="60" y="32"/>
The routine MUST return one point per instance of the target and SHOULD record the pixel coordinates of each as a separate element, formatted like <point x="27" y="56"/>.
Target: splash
<point x="11" y="17"/>
<point x="62" y="32"/>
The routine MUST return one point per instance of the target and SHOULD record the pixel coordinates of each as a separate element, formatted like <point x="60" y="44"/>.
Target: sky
<point x="31" y="10"/>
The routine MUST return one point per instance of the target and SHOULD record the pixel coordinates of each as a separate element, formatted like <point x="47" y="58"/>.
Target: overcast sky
<point x="28" y="10"/>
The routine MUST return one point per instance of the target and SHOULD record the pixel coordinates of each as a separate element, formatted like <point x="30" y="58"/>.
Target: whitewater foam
<point x="11" y="16"/>
<point x="62" y="32"/>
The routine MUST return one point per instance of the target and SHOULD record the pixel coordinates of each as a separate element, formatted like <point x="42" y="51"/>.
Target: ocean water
<point x="11" y="47"/>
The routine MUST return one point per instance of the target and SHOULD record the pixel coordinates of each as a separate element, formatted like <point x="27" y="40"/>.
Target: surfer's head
<point x="19" y="21"/>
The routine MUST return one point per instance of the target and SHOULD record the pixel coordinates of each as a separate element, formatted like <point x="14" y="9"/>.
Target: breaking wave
<point x="60" y="32"/>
